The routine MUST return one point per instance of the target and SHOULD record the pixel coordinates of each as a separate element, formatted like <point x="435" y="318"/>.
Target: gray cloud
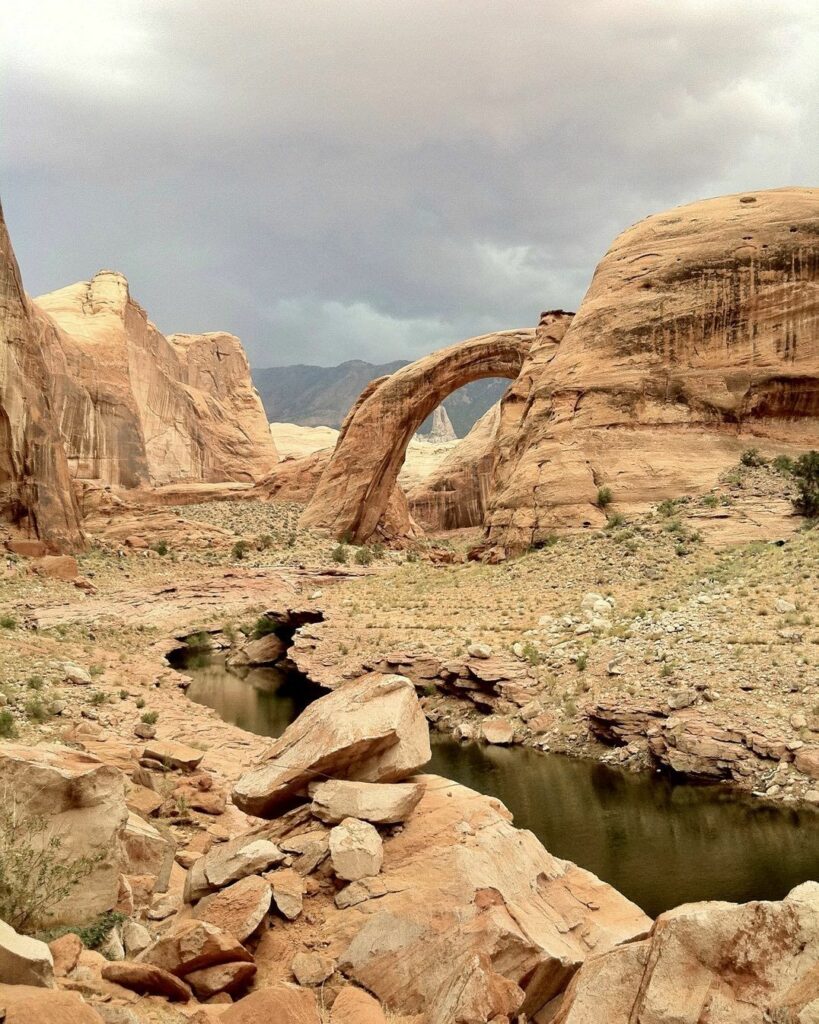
<point x="372" y="178"/>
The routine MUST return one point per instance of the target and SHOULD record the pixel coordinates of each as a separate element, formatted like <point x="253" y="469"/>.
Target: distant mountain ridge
<point x="316" y="396"/>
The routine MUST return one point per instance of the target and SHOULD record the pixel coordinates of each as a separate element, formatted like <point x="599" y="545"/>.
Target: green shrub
<point x="36" y="683"/>
<point x="264" y="625"/>
<point x="806" y="475"/>
<point x="582" y="661"/>
<point x="615" y="520"/>
<point x="36" y="711"/>
<point x="8" y="622"/>
<point x="363" y="556"/>
<point x="140" y="702"/>
<point x="339" y="554"/>
<point x="8" y="727"/>
<point x="98" y="697"/>
<point x="239" y="550"/>
<point x="667" y="508"/>
<point x="751" y="457"/>
<point x="264" y="542"/>
<point x="149" y="717"/>
<point x="783" y="464"/>
<point x="160" y="547"/>
<point x="604" y="497"/>
<point x="34" y="874"/>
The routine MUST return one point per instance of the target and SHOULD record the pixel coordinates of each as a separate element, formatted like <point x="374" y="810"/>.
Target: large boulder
<point x="284" y="1004"/>
<point x="745" y="963"/>
<point x="147" y="979"/>
<point x="371" y="730"/>
<point x="471" y="919"/>
<point x="83" y="802"/>
<point x="381" y="804"/>
<point x="239" y="909"/>
<point x="192" y="945"/>
<point x="23" y="960"/>
<point x="22" y="1004"/>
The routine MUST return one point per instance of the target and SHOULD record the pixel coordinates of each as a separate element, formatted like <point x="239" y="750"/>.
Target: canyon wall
<point x="35" y="486"/>
<point x="138" y="409"/>
<point x="698" y="337"/>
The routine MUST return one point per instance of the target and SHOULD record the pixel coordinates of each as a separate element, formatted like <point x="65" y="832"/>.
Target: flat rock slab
<point x="288" y="892"/>
<point x="372" y="730"/>
<point x="147" y="979"/>
<point x="379" y="803"/>
<point x="175" y="755"/>
<point x="238" y="909"/>
<point x="192" y="946"/>
<point x="238" y="858"/>
<point x="223" y="978"/>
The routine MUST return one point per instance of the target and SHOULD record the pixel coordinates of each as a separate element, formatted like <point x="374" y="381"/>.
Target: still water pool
<point x="659" y="842"/>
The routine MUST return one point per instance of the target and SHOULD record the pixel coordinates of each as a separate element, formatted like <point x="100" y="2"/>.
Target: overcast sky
<point x="335" y="179"/>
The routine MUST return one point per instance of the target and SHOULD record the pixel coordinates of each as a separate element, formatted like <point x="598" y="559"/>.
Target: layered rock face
<point x="355" y="487"/>
<point x="35" y="488"/>
<point x="454" y="495"/>
<point x="136" y="408"/>
<point x="698" y="336"/>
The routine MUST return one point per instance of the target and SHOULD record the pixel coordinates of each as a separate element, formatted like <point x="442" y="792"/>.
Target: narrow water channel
<point x="659" y="842"/>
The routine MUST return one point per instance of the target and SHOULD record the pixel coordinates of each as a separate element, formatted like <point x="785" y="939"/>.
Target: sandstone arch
<point x="356" y="485"/>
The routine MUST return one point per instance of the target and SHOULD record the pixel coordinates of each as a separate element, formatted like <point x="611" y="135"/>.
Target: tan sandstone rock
<point x="356" y="850"/>
<point x="84" y="803"/>
<point x="36" y="487"/>
<point x="355" y="488"/>
<point x="192" y="946"/>
<point x="473" y="919"/>
<point x="147" y="979"/>
<point x="284" y="1004"/>
<point x="23" y="960"/>
<point x="381" y="804"/>
<point x="25" y="1005"/>
<point x="238" y="909"/>
<point x="354" y="1006"/>
<point x="747" y="962"/>
<point x="698" y="332"/>
<point x="371" y="730"/>
<point x="222" y="978"/>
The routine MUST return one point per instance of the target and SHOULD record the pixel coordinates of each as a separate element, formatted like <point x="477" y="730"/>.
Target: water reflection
<point x="658" y="842"/>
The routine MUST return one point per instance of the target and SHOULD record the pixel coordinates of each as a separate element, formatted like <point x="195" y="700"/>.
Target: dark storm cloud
<point x="374" y="178"/>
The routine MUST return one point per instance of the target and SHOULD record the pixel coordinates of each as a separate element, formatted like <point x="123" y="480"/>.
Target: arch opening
<point x="356" y="486"/>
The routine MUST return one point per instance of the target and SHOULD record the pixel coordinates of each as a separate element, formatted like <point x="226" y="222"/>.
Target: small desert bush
<point x="604" y="497"/>
<point x="751" y="457"/>
<point x="363" y="556"/>
<point x="34" y="874"/>
<point x="806" y="475"/>
<point x="339" y="554"/>
<point x="8" y="727"/>
<point x="160" y="547"/>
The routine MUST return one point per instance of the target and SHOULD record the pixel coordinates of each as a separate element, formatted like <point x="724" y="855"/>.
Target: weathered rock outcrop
<point x="699" y="333"/>
<point x="454" y="495"/>
<point x="372" y="730"/>
<point x="356" y="485"/>
<point x="471" y="919"/>
<point x="137" y="408"/>
<point x="748" y="963"/>
<point x="35" y="487"/>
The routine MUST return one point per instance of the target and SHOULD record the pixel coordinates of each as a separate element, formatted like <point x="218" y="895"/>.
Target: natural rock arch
<point x="356" y="485"/>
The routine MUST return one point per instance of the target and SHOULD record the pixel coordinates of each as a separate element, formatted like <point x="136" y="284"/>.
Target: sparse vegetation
<point x="806" y="474"/>
<point x="160" y="547"/>
<point x="340" y="554"/>
<point x="752" y="457"/>
<point x="604" y="497"/>
<point x="34" y="874"/>
<point x="149" y="717"/>
<point x="239" y="550"/>
<point x="363" y="556"/>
